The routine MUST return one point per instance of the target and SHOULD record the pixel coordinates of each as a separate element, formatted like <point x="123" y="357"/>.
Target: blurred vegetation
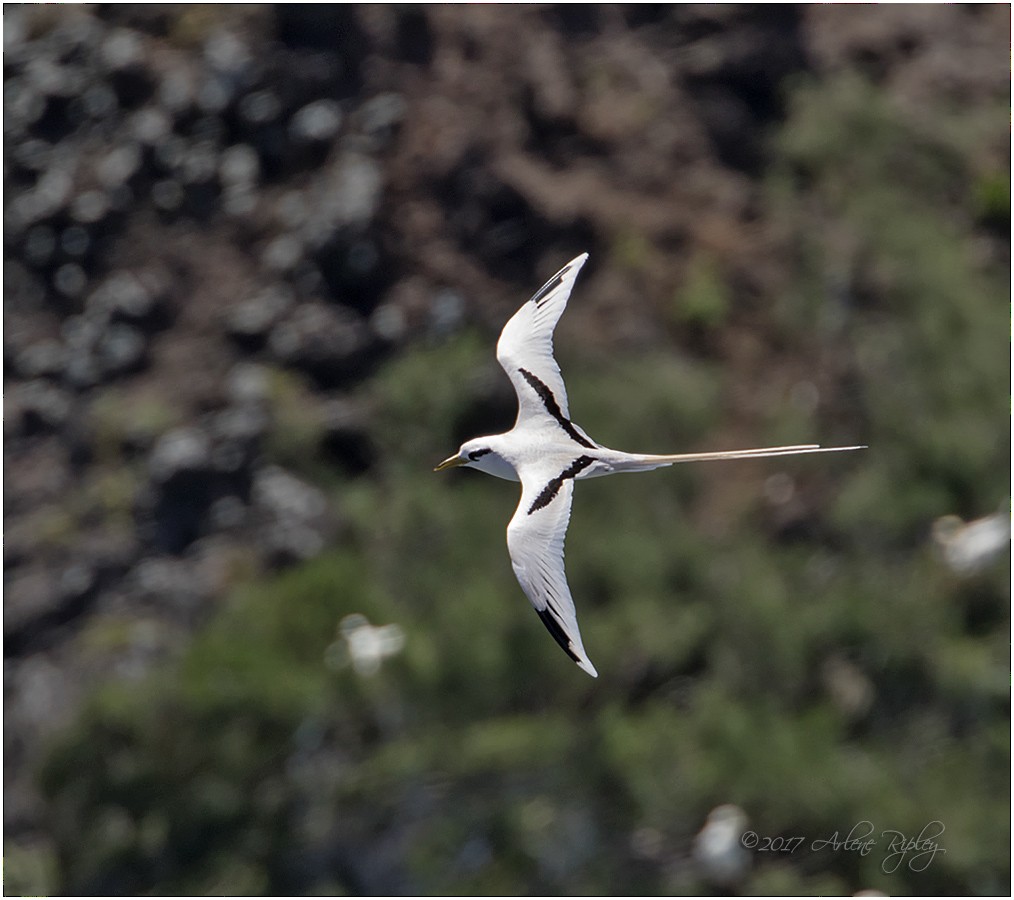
<point x="704" y="299"/>
<point x="817" y="678"/>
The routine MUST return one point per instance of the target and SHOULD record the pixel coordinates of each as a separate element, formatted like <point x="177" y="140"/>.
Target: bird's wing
<point x="525" y="348"/>
<point x="535" y="540"/>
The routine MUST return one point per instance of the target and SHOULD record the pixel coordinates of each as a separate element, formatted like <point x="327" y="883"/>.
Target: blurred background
<point x="256" y="262"/>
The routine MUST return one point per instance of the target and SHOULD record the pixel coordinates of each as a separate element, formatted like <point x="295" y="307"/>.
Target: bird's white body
<point x="515" y="451"/>
<point x="547" y="453"/>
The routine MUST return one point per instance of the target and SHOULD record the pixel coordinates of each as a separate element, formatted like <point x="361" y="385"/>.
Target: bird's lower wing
<point x="535" y="539"/>
<point x="525" y="348"/>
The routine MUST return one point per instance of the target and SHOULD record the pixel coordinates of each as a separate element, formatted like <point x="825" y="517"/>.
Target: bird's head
<point x="468" y="454"/>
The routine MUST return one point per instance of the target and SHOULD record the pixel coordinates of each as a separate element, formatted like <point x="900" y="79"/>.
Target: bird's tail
<point x="642" y="462"/>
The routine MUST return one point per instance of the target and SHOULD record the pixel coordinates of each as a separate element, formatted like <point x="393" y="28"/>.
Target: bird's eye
<point x="473" y="455"/>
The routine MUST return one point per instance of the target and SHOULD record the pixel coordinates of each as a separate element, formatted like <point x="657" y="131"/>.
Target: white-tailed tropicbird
<point x="547" y="453"/>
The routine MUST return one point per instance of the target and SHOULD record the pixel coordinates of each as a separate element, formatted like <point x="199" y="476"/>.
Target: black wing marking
<point x="553" y="408"/>
<point x="553" y="486"/>
<point x="550" y="286"/>
<point x="556" y="630"/>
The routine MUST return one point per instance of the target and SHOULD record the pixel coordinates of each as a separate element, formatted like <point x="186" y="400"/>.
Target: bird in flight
<point x="547" y="453"/>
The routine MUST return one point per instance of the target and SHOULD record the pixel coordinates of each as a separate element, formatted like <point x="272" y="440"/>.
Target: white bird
<point x="969" y="547"/>
<point x="718" y="848"/>
<point x="369" y="645"/>
<point x="547" y="453"/>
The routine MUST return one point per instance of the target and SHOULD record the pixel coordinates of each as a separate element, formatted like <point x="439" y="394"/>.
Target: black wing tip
<point x="540" y="295"/>
<point x="556" y="630"/>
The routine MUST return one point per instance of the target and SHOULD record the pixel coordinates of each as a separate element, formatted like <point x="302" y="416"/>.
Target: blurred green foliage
<point x="704" y="299"/>
<point x="816" y="679"/>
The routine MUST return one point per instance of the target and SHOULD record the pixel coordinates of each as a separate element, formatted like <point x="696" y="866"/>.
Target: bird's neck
<point x="496" y="462"/>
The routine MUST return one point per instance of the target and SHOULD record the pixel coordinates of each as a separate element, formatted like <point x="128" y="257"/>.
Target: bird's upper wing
<point x="526" y="346"/>
<point x="535" y="540"/>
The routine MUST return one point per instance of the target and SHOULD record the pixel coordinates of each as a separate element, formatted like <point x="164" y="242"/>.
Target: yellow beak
<point x="450" y="463"/>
